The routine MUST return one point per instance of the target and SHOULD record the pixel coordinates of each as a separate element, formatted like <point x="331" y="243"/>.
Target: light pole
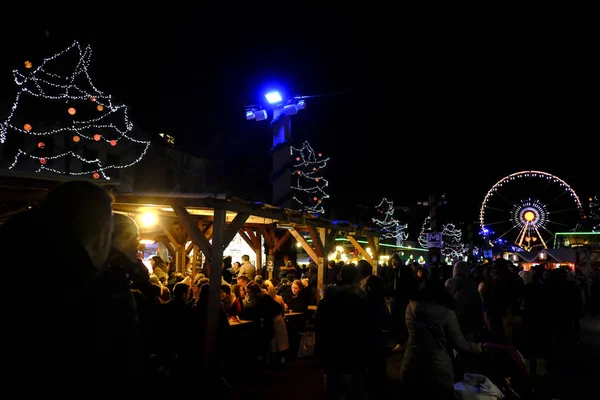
<point x="281" y="127"/>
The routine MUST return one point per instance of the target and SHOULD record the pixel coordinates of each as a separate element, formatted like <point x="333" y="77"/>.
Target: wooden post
<point x="362" y="251"/>
<point x="374" y="244"/>
<point x="313" y="253"/>
<point x="214" y="297"/>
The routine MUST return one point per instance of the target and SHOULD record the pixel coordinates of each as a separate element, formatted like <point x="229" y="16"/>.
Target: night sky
<point x="407" y="112"/>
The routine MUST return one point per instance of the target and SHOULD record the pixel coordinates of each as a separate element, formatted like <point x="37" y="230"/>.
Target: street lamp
<point x="281" y="127"/>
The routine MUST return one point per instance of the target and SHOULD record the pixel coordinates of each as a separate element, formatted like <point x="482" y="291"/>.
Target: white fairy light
<point x="307" y="169"/>
<point x="43" y="84"/>
<point x="390" y="227"/>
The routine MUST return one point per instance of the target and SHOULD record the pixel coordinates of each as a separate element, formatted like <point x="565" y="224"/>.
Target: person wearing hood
<point x="433" y="333"/>
<point x="468" y="301"/>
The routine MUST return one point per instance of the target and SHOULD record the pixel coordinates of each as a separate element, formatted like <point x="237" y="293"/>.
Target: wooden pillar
<point x="214" y="297"/>
<point x="180" y="259"/>
<point x="316" y="255"/>
<point x="374" y="244"/>
<point x="362" y="251"/>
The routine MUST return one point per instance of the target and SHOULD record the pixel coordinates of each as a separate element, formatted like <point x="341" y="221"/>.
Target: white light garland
<point x="43" y="84"/>
<point x="422" y="239"/>
<point x="595" y="212"/>
<point x="453" y="248"/>
<point x="309" y="184"/>
<point x="390" y="227"/>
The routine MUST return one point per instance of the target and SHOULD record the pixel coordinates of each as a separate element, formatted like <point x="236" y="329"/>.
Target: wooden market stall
<point x="210" y="221"/>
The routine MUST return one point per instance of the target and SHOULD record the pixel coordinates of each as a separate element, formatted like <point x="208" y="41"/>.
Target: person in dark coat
<point x="52" y="332"/>
<point x="433" y="334"/>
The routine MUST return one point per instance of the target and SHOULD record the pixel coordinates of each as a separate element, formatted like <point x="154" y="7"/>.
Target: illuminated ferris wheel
<point x="527" y="208"/>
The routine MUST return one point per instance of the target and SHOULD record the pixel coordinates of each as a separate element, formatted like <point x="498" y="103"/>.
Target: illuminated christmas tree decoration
<point x="75" y="87"/>
<point x="453" y="248"/>
<point x="308" y="185"/>
<point x="422" y="239"/>
<point x="595" y="212"/>
<point x="390" y="228"/>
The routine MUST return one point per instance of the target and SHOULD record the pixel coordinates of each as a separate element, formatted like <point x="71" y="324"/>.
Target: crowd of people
<point x="108" y="323"/>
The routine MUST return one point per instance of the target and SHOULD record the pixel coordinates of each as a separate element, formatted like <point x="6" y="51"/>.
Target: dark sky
<point x="448" y="110"/>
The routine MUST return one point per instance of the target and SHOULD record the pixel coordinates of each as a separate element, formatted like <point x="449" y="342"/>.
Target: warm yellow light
<point x="339" y="249"/>
<point x="529" y="216"/>
<point x="298" y="244"/>
<point x="148" y="219"/>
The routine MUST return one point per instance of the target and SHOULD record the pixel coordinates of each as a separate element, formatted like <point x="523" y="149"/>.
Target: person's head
<point x="225" y="291"/>
<point x="236" y="266"/>
<point x="82" y="210"/>
<point x="364" y="269"/>
<point x="158" y="262"/>
<point x="243" y="280"/>
<point x="461" y="268"/>
<point x="245" y="258"/>
<point x="126" y="235"/>
<point x="297" y="287"/>
<point x="181" y="291"/>
<point x="348" y="275"/>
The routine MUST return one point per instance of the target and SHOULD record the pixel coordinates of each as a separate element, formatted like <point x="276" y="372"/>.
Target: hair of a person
<point x="180" y="289"/>
<point x="226" y="289"/>
<point x="122" y="224"/>
<point x="348" y="274"/>
<point x="80" y="208"/>
<point x="245" y="257"/>
<point x="364" y="268"/>
<point x="271" y="289"/>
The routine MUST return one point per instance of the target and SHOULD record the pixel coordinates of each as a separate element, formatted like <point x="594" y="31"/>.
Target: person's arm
<point x="455" y="338"/>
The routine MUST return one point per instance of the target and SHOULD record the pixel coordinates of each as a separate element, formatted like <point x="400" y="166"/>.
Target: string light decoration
<point x="90" y="119"/>
<point x="453" y="248"/>
<point x="390" y="228"/>
<point x="309" y="186"/>
<point x="595" y="212"/>
<point x="422" y="239"/>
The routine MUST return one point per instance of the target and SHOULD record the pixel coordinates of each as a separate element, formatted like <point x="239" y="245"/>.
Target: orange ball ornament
<point x="320" y="154"/>
<point x="97" y="137"/>
<point x="100" y="107"/>
<point x="93" y="98"/>
<point x="28" y="64"/>
<point x="71" y="111"/>
<point x="96" y="175"/>
<point x="298" y="172"/>
<point x="316" y="179"/>
<point x="41" y="145"/>
<point x="76" y="139"/>
<point x="27" y="127"/>
<point x="113" y="143"/>
<point x="297" y="158"/>
<point x="43" y="161"/>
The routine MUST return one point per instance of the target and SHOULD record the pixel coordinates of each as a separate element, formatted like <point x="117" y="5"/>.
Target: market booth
<point x="207" y="222"/>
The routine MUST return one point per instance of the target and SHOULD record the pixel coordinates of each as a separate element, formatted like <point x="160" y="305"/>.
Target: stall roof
<point x="21" y="189"/>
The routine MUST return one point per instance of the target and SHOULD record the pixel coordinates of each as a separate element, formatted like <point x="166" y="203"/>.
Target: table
<point x="233" y="322"/>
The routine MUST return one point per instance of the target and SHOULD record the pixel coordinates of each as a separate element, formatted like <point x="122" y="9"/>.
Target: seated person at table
<point x="297" y="299"/>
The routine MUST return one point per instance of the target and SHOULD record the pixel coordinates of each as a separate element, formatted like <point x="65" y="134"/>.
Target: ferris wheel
<point x="527" y="208"/>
